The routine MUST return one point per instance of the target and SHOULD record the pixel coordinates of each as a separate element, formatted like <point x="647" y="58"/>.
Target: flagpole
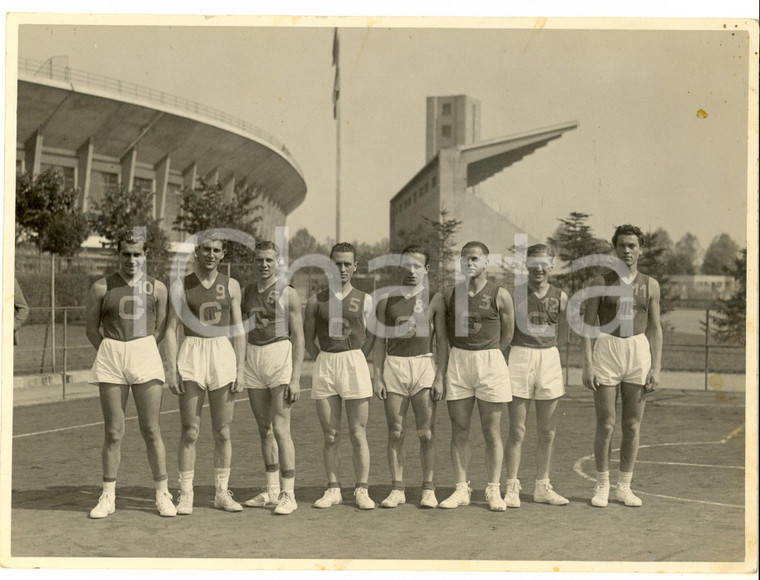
<point x="336" y="114"/>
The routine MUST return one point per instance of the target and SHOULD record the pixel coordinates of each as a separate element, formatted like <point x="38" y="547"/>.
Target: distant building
<point x="456" y="162"/>
<point x="102" y="133"/>
<point x="702" y="287"/>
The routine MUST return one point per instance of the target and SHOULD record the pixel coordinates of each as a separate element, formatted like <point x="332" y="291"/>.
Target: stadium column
<point x="212" y="177"/>
<point x="189" y="176"/>
<point x="84" y="170"/>
<point x="229" y="187"/>
<point x="162" y="185"/>
<point x="128" y="163"/>
<point x="33" y="153"/>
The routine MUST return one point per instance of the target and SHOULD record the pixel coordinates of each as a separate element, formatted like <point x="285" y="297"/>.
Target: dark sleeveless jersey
<point x="348" y="332"/>
<point x="410" y="314"/>
<point x="540" y="312"/>
<point x="211" y="306"/>
<point x="481" y="320"/>
<point x="626" y="309"/>
<point x="129" y="312"/>
<point x="268" y="316"/>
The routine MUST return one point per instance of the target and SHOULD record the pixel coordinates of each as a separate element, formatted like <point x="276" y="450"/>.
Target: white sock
<point x="222" y="477"/>
<point x="162" y="485"/>
<point x="109" y="487"/>
<point x="186" y="480"/>
<point x="273" y="480"/>
<point x="625" y="477"/>
<point x="288" y="483"/>
<point x="497" y="484"/>
<point x="603" y="477"/>
<point x="542" y="482"/>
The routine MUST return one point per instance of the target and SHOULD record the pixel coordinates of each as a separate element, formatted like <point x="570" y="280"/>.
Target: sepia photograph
<point x="349" y="293"/>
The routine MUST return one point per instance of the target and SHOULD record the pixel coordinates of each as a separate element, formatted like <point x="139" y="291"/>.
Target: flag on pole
<point x="336" y="64"/>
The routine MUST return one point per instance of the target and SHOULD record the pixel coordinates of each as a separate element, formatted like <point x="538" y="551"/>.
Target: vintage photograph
<point x="343" y="293"/>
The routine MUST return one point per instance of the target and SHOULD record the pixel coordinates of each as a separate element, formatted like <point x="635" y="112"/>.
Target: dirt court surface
<point x="690" y="475"/>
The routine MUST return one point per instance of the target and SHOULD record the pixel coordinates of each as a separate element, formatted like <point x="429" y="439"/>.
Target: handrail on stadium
<point x="48" y="69"/>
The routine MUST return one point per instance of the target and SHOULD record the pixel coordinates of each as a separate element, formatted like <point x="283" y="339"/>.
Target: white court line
<point x="102" y="423"/>
<point x="578" y="468"/>
<point x="686" y="464"/>
<point x="142" y="499"/>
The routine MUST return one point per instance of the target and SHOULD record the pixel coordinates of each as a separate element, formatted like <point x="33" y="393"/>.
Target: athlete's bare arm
<point x="589" y="317"/>
<point x="369" y="339"/>
<point x="295" y="324"/>
<point x="161" y="299"/>
<point x="177" y="292"/>
<point x="507" y="314"/>
<point x="378" y="354"/>
<point x="238" y="335"/>
<point x="438" y="318"/>
<point x="94" y="305"/>
<point x="654" y="335"/>
<point x="310" y="328"/>
<point x="561" y="330"/>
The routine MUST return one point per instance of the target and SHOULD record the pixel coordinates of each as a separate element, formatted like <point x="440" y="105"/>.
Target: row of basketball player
<point x="491" y="360"/>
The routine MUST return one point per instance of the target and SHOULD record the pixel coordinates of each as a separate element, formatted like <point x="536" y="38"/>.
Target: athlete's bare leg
<point x="329" y="412"/>
<point x="148" y="403"/>
<point x="357" y="414"/>
<point x="490" y="420"/>
<point x="605" y="398"/>
<point x="424" y="418"/>
<point x="261" y="405"/>
<point x="395" y="412"/>
<point x="460" y="412"/>
<point x="113" y="401"/>
<point x="634" y="400"/>
<point x="190" y="409"/>
<point x="222" y="403"/>
<point x="546" y="427"/>
<point x="518" y="413"/>
<point x="280" y="414"/>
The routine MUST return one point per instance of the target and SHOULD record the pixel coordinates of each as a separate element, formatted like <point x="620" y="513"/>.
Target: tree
<point x="574" y="239"/>
<point x="729" y="324"/>
<point x="121" y="209"/>
<point x="302" y="243"/>
<point x="654" y="262"/>
<point x="720" y="255"/>
<point x="48" y="214"/>
<point x="685" y="256"/>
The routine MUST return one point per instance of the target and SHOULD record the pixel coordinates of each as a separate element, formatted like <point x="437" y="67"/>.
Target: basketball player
<point x="341" y="375"/>
<point x="207" y="362"/>
<point x="126" y="318"/>
<point x="625" y="361"/>
<point x="480" y="323"/>
<point x="273" y="374"/>
<point x="535" y="374"/>
<point x="406" y="371"/>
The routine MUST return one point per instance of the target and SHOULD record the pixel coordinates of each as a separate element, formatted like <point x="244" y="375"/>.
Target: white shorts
<point x="621" y="360"/>
<point x="535" y="373"/>
<point x="479" y="373"/>
<point x="131" y="362"/>
<point x="408" y="375"/>
<point x="209" y="362"/>
<point x="345" y="374"/>
<point x="269" y="365"/>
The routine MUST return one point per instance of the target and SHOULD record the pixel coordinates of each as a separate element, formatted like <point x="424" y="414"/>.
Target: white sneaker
<point x="601" y="495"/>
<point x="394" y="499"/>
<point x="331" y="497"/>
<point x="164" y="504"/>
<point x="546" y="494"/>
<point x="461" y="496"/>
<point x="512" y="496"/>
<point x="494" y="499"/>
<point x="624" y="494"/>
<point x="224" y="501"/>
<point x="267" y="497"/>
<point x="428" y="499"/>
<point x="287" y="504"/>
<point x="106" y="506"/>
<point x="185" y="503"/>
<point x="363" y="501"/>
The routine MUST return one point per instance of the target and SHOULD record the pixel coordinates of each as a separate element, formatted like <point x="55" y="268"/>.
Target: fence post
<point x="65" y="350"/>
<point x="707" y="348"/>
<point x="52" y="308"/>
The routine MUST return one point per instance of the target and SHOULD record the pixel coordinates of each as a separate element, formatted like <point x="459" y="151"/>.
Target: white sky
<point x="641" y="154"/>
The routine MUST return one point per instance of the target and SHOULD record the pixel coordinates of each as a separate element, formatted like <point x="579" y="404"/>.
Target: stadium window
<point x="143" y="185"/>
<point x="101" y="182"/>
<point x="446" y="131"/>
<point x="447" y="108"/>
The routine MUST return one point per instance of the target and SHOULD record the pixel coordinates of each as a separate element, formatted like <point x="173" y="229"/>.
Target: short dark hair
<point x="264" y="245"/>
<point x="343" y="247"/>
<point x="417" y="249"/>
<point x="627" y="230"/>
<point x="132" y="236"/>
<point x="210" y="235"/>
<point x="475" y="244"/>
<point x="537" y="249"/>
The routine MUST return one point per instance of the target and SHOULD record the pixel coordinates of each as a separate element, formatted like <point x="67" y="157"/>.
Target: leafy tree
<point x="729" y="324"/>
<point x="574" y="239"/>
<point x="653" y="261"/>
<point x="685" y="256"/>
<point x="48" y="214"/>
<point x="121" y="209"/>
<point x="720" y="255"/>
<point x="302" y="243"/>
